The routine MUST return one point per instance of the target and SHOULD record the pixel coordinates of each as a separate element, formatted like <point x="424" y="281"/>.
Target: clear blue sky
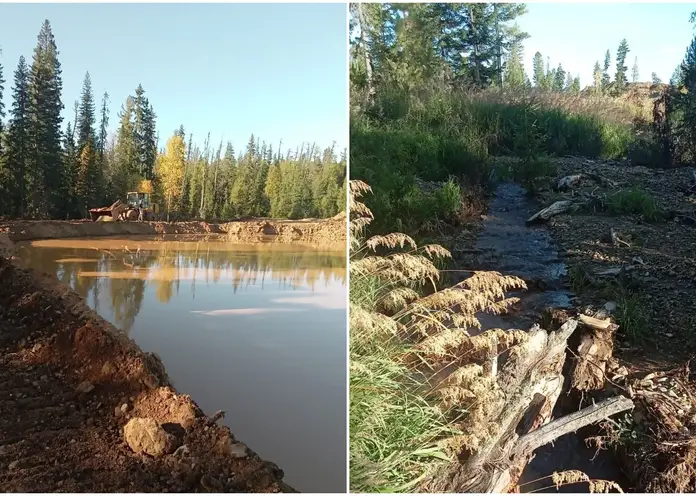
<point x="276" y="70"/>
<point x="578" y="34"/>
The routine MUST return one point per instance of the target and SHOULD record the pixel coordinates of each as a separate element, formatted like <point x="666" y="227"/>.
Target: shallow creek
<point x="511" y="247"/>
<point x="256" y="330"/>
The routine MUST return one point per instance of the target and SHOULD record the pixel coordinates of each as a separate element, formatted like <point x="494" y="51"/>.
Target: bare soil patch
<point x="640" y="272"/>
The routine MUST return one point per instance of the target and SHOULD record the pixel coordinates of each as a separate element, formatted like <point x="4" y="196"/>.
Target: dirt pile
<point x="70" y="382"/>
<point x="319" y="231"/>
<point x="315" y="230"/>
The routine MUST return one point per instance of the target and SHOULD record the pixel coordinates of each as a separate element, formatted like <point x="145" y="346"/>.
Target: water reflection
<point x="258" y="331"/>
<point x="123" y="268"/>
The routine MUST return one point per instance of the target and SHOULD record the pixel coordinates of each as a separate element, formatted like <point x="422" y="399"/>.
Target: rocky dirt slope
<point x="70" y="383"/>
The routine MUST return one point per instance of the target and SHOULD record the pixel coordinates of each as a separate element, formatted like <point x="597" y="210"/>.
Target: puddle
<point x="511" y="247"/>
<point x="256" y="330"/>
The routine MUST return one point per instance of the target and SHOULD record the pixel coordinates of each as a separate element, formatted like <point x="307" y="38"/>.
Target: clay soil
<point x="653" y="298"/>
<point x="65" y="376"/>
<point x="322" y="231"/>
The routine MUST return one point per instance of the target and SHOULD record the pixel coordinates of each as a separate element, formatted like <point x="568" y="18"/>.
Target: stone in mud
<point x="85" y="387"/>
<point x="145" y="435"/>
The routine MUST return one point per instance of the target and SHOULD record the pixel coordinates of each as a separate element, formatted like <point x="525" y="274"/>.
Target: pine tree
<point x="5" y="186"/>
<point x="46" y="167"/>
<point x="87" y="186"/>
<point x="655" y="79"/>
<point x="559" y="79"/>
<point x="597" y="78"/>
<point x="103" y="127"/>
<point x="635" y="75"/>
<point x="514" y="70"/>
<point x="126" y="152"/>
<point x="18" y="140"/>
<point x="568" y="83"/>
<point x="621" y="68"/>
<point x="539" y="73"/>
<point x="575" y="87"/>
<point x="606" y="79"/>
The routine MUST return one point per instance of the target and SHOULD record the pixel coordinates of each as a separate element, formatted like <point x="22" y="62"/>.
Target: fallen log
<point x="556" y="208"/>
<point x="531" y="381"/>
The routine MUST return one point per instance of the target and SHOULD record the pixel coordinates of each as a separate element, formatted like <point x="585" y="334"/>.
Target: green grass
<point x="440" y="134"/>
<point x="393" y="429"/>
<point x="634" y="201"/>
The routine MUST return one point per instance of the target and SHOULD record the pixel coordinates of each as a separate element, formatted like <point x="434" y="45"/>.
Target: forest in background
<point x="47" y="172"/>
<point x="437" y="90"/>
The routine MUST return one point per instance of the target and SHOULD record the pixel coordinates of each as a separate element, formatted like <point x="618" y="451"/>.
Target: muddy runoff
<point x="85" y="409"/>
<point x="539" y="406"/>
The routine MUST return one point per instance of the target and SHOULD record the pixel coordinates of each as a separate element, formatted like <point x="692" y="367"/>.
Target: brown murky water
<point x="256" y="330"/>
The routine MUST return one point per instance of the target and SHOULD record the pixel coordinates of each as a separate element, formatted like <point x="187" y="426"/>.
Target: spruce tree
<point x="539" y="75"/>
<point x="18" y="140"/>
<point x="103" y="127"/>
<point x="5" y="186"/>
<point x="568" y="83"/>
<point x="87" y="187"/>
<point x="46" y="167"/>
<point x="514" y="70"/>
<point x="621" y="69"/>
<point x="606" y="79"/>
<point x="559" y="79"/>
<point x="597" y="78"/>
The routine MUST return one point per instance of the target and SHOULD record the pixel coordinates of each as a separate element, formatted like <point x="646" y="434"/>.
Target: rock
<point x="85" y="387"/>
<point x="124" y="408"/>
<point x="610" y="306"/>
<point x="238" y="450"/>
<point x="13" y="465"/>
<point x="145" y="435"/>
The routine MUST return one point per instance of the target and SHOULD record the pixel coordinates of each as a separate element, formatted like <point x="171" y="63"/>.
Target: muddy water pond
<point x="256" y="330"/>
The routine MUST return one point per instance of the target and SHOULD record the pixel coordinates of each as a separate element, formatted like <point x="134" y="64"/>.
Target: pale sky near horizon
<point x="276" y="70"/>
<point x="578" y="34"/>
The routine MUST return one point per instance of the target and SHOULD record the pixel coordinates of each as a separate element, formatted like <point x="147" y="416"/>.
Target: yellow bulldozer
<point x="137" y="207"/>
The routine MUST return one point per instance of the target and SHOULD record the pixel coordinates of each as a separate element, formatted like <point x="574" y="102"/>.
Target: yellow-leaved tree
<point x="170" y="171"/>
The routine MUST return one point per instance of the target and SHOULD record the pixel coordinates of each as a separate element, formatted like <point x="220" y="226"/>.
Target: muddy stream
<point x="255" y="330"/>
<point x="511" y="247"/>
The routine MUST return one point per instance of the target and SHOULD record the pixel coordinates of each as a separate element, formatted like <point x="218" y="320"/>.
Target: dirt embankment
<point x="313" y="230"/>
<point x="70" y="382"/>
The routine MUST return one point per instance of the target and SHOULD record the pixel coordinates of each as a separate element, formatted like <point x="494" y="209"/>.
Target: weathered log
<point x="532" y="376"/>
<point x="593" y="354"/>
<point x="556" y="208"/>
<point x="573" y="422"/>
<point x="567" y="182"/>
<point x="599" y="324"/>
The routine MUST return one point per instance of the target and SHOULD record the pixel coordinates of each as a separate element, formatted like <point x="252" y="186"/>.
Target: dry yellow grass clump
<point x="404" y="332"/>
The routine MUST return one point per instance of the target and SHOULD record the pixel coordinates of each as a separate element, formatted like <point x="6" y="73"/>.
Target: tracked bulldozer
<point x="137" y="207"/>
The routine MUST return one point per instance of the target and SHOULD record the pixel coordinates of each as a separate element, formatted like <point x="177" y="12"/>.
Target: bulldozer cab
<point x="137" y="199"/>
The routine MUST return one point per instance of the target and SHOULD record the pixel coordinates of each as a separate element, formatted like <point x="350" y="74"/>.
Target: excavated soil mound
<point x="70" y="382"/>
<point x="321" y="231"/>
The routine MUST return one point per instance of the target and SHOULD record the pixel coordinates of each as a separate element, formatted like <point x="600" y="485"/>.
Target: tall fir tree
<point x="597" y="78"/>
<point x="559" y="79"/>
<point x="515" y="77"/>
<point x="18" y="140"/>
<point x="621" y="69"/>
<point x="45" y="106"/>
<point x="606" y="79"/>
<point x="87" y="186"/>
<point x="539" y="76"/>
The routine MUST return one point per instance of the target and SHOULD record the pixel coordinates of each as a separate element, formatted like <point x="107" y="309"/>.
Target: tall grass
<point x="439" y="133"/>
<point x="402" y="427"/>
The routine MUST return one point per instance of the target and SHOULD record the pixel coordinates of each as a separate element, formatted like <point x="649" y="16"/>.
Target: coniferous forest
<point x="51" y="171"/>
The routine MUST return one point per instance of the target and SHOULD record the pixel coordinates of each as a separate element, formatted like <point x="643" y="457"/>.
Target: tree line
<point x="465" y="44"/>
<point x="48" y="172"/>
